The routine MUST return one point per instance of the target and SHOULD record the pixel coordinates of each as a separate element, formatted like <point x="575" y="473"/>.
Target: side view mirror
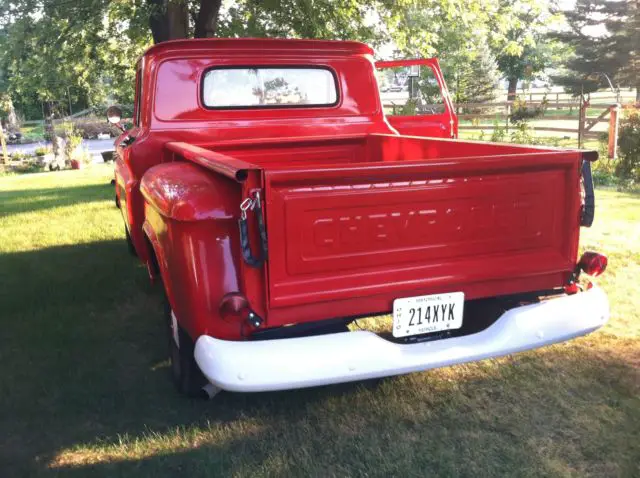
<point x="114" y="115"/>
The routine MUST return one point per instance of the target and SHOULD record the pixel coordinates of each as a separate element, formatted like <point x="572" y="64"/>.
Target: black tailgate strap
<point x="589" y="208"/>
<point x="245" y="245"/>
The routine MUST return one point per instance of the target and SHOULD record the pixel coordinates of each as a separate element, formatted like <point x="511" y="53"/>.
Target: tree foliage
<point x="517" y="36"/>
<point x="457" y="32"/>
<point x="476" y="80"/>
<point x="83" y="52"/>
<point x="57" y="52"/>
<point x="327" y="19"/>
<point x="614" y="49"/>
<point x="628" y="168"/>
<point x="62" y="54"/>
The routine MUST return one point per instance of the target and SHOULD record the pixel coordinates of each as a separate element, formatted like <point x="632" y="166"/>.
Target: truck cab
<point x="277" y="200"/>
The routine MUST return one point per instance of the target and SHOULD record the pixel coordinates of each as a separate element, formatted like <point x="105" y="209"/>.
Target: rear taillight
<point x="593" y="263"/>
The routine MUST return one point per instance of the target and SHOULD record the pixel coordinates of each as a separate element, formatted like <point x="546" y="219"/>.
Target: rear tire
<point x="186" y="374"/>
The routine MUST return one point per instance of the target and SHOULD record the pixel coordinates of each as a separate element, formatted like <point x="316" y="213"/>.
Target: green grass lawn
<point x="85" y="391"/>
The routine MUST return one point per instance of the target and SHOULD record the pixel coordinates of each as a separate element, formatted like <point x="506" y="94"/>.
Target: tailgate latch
<point x="252" y="204"/>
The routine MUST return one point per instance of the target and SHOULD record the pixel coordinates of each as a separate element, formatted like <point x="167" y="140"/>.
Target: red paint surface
<point x="356" y="215"/>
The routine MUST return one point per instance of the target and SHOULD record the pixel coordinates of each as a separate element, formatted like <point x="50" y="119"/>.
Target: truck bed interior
<point x="295" y="153"/>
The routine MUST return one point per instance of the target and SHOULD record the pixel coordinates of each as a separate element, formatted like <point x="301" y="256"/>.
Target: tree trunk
<point x="178" y="18"/>
<point x="511" y="92"/>
<point x="169" y="20"/>
<point x="12" y="118"/>
<point x="638" y="93"/>
<point x="207" y="21"/>
<point x="158" y="21"/>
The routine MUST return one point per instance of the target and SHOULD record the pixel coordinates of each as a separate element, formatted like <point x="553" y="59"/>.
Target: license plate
<point x="427" y="313"/>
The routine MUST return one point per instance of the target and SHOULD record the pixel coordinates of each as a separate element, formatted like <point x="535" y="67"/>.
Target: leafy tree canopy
<point x="53" y="52"/>
<point x="605" y="38"/>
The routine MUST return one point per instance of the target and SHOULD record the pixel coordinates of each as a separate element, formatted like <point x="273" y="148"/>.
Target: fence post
<point x="614" y="121"/>
<point x="5" y="155"/>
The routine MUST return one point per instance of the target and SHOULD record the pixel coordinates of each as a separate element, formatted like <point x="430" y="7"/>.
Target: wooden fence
<point x="501" y="113"/>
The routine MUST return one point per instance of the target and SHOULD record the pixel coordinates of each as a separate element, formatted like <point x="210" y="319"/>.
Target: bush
<point x="73" y="140"/>
<point x="42" y="150"/>
<point x="18" y="156"/>
<point x="602" y="176"/>
<point x="499" y="134"/>
<point x="523" y="133"/>
<point x="90" y="129"/>
<point x="522" y="112"/>
<point x="28" y="167"/>
<point x="628" y="164"/>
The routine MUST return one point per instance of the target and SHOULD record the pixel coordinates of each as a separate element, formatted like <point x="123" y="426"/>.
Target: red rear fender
<point x="186" y="192"/>
<point x="191" y="224"/>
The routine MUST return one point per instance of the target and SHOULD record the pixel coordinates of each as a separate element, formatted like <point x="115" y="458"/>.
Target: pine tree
<point x="614" y="52"/>
<point x="474" y="76"/>
<point x="485" y="76"/>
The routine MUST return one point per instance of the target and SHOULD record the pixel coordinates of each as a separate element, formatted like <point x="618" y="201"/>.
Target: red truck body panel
<point x="356" y="214"/>
<point x="416" y="227"/>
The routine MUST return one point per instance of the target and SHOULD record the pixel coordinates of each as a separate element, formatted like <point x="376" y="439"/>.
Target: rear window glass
<point x="267" y="87"/>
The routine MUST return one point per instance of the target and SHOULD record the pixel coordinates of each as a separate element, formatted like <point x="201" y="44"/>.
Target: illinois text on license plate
<point x="427" y="313"/>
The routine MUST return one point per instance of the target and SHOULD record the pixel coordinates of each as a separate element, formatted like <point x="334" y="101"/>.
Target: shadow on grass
<point x="91" y="276"/>
<point x="83" y="368"/>
<point x="32" y="200"/>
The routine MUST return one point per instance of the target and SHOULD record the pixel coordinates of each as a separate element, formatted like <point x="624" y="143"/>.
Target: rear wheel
<point x="185" y="372"/>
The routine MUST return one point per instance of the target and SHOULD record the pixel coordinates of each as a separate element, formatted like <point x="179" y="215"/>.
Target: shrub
<point x="410" y="108"/>
<point x="91" y="128"/>
<point x="88" y="128"/>
<point x="628" y="164"/>
<point x="42" y="150"/>
<point x="19" y="156"/>
<point x="523" y="133"/>
<point x="73" y="140"/>
<point x="522" y="112"/>
<point x="602" y="177"/>
<point x="499" y="133"/>
<point x="28" y="167"/>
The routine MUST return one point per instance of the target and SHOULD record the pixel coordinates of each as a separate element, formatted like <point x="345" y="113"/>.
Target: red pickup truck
<point x="264" y="186"/>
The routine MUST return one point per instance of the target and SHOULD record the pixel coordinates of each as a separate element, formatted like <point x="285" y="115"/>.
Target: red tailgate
<point x="398" y="229"/>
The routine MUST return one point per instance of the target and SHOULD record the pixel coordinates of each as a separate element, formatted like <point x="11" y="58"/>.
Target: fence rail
<point x="502" y="111"/>
<point x="583" y="127"/>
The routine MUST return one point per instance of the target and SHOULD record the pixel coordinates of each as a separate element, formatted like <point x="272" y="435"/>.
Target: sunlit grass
<point x="85" y="391"/>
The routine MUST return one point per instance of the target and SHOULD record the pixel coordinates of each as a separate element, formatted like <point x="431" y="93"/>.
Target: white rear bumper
<point x="344" y="357"/>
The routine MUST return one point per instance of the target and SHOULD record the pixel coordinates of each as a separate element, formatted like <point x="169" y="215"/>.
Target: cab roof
<point x="259" y="46"/>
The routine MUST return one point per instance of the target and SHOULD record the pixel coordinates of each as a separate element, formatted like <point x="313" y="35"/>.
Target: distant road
<point x="94" y="146"/>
